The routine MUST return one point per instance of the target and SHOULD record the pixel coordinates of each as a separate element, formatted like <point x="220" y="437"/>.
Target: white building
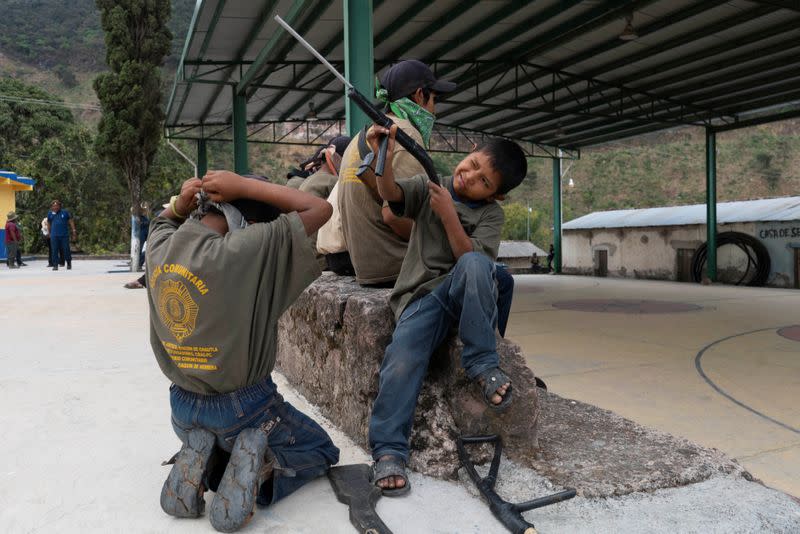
<point x="659" y="243"/>
<point x="517" y="254"/>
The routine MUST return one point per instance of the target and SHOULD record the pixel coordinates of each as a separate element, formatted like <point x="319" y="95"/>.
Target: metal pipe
<point x="184" y="156"/>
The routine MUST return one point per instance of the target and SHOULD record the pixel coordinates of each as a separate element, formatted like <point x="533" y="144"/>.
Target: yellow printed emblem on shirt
<point x="177" y="309"/>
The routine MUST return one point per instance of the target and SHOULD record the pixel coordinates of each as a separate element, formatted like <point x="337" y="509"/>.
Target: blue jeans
<point x="505" y="292"/>
<point x="302" y="449"/>
<point x="59" y="246"/>
<point x="468" y="296"/>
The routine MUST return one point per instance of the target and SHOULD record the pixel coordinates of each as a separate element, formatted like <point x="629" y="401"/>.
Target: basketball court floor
<point x="719" y="365"/>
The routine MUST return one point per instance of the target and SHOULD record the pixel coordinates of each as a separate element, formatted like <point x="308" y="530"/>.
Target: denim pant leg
<point x="422" y="327"/>
<point x="505" y="292"/>
<point x="302" y="449"/>
<point x="53" y="250"/>
<point x="470" y="294"/>
<point x="67" y="251"/>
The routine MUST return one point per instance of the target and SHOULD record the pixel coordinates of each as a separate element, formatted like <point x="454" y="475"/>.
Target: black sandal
<point x="392" y="466"/>
<point x="489" y="381"/>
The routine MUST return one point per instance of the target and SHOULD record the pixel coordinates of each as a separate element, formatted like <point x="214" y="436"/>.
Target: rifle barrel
<point x="311" y="49"/>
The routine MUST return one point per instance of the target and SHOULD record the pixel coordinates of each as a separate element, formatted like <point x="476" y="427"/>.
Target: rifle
<point x="377" y="116"/>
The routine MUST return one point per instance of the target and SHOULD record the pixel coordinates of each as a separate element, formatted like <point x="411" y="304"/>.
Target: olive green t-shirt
<point x="295" y="182"/>
<point x="215" y="300"/>
<point x="375" y="250"/>
<point x="429" y="257"/>
<point x="320" y="184"/>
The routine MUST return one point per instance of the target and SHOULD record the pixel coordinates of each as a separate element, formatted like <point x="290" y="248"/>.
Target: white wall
<point x="652" y="252"/>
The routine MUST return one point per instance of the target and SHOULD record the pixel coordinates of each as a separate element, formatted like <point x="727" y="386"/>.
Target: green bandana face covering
<point x="405" y="108"/>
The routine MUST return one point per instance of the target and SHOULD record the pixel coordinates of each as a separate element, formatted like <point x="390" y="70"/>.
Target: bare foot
<point x="390" y="482"/>
<point x="497" y="398"/>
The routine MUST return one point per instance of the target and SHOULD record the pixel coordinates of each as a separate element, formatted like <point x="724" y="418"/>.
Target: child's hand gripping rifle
<point x="373" y="113"/>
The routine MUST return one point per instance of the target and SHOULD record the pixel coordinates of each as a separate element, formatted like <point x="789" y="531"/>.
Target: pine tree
<point x="137" y="40"/>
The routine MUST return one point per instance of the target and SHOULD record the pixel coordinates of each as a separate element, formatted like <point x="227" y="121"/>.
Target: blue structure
<point x="10" y="183"/>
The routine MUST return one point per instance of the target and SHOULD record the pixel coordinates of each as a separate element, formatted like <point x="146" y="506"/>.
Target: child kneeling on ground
<point x="448" y="276"/>
<point x="218" y="282"/>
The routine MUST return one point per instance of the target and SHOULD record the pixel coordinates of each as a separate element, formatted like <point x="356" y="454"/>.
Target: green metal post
<point x="557" y="214"/>
<point x="202" y="158"/>
<point x="358" y="58"/>
<point x="240" y="163"/>
<point x="711" y="204"/>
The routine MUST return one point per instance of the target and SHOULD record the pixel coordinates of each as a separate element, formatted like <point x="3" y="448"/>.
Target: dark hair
<point x="508" y="159"/>
<point x="253" y="210"/>
<point x="426" y="95"/>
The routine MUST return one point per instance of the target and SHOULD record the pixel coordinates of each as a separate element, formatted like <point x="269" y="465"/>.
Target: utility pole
<point x="528" y="223"/>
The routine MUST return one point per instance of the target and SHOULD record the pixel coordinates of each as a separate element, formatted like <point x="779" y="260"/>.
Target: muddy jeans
<point x="302" y="449"/>
<point x="467" y="297"/>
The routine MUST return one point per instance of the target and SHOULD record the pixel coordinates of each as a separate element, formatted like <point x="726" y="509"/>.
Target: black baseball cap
<point x="405" y="77"/>
<point x="340" y="142"/>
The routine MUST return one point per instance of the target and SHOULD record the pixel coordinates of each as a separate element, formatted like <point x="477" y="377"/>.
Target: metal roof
<point x="16" y="182"/>
<point x="518" y="249"/>
<point x="768" y="209"/>
<point x="550" y="73"/>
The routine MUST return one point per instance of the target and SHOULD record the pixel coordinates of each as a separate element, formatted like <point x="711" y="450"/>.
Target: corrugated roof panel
<point x="768" y="209"/>
<point x="518" y="249"/>
<point x="593" y="98"/>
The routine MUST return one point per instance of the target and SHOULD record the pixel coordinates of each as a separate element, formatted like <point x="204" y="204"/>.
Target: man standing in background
<point x="59" y="224"/>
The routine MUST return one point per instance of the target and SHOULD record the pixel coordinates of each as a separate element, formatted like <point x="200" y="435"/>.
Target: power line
<point x="57" y="103"/>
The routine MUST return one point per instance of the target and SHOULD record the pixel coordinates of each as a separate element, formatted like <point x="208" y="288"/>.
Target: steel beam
<point x="186" y="45"/>
<point x="240" y="160"/>
<point x="608" y="45"/>
<point x="297" y="9"/>
<point x="263" y="17"/>
<point x="358" y="63"/>
<point x="683" y="91"/>
<point x="425" y="32"/>
<point x="557" y="214"/>
<point x="711" y="205"/>
<point x="202" y="158"/>
<point x="755" y="121"/>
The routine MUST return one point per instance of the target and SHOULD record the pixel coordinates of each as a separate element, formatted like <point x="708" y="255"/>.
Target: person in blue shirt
<point x="60" y="224"/>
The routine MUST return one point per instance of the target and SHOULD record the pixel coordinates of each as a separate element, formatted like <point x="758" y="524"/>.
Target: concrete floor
<point x="87" y="419"/>
<point x="646" y="366"/>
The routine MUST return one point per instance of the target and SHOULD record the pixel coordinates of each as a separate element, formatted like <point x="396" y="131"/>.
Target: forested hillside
<point x="52" y="49"/>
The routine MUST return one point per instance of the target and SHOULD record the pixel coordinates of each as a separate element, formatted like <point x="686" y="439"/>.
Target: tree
<point x="520" y="224"/>
<point x="137" y="40"/>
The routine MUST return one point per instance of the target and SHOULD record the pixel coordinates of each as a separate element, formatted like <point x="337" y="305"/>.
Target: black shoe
<point x="55" y="267"/>
<point x="69" y="266"/>
<point x="23" y="264"/>
<point x="61" y="263"/>
<point x="182" y="494"/>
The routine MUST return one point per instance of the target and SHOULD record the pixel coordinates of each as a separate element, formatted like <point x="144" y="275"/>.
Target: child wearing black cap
<point x="377" y="239"/>
<point x="448" y="277"/>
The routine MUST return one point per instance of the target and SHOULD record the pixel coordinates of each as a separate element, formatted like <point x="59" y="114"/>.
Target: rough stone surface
<point x="602" y="454"/>
<point x="331" y="343"/>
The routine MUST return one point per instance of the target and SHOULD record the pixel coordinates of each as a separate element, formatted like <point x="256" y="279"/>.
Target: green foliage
<point x="25" y="126"/>
<point x="129" y="132"/>
<point x="47" y="144"/>
<point x="66" y="34"/>
<point x="520" y="224"/>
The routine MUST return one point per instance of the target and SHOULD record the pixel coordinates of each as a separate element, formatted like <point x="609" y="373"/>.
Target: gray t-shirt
<point x="429" y="257"/>
<point x="375" y="250"/>
<point x="295" y="182"/>
<point x="215" y="300"/>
